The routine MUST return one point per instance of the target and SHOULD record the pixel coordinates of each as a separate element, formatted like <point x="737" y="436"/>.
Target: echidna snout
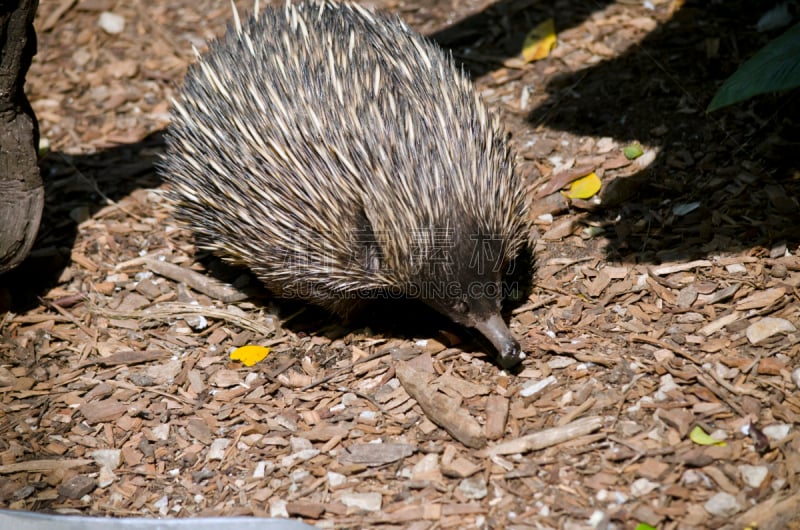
<point x="492" y="326"/>
<point x="509" y="353"/>
<point x="471" y="294"/>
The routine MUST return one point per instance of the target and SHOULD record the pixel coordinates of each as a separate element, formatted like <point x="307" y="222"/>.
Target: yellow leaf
<point x="699" y="436"/>
<point x="584" y="187"/>
<point x="250" y="354"/>
<point x="540" y="41"/>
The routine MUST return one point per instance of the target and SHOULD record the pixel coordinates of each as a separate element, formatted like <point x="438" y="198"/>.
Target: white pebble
<point x="335" y="479"/>
<point x="474" y="488"/>
<point x="277" y="508"/>
<point x="369" y="502"/>
<point x="753" y="476"/>
<point x="260" y="470"/>
<point x="767" y="327"/>
<point x="105" y="477"/>
<point x="722" y="505"/>
<point x="217" y="449"/>
<point x="111" y="23"/>
<point x="642" y="486"/>
<point x="109" y="458"/>
<point x="777" y="431"/>
<point x="735" y="268"/>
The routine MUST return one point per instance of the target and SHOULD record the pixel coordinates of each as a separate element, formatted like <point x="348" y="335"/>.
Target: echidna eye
<point x="461" y="307"/>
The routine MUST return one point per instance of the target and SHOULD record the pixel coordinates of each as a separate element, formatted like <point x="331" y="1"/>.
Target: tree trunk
<point x="21" y="190"/>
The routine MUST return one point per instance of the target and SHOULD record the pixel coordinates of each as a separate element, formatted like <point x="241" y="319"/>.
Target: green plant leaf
<point x="773" y="68"/>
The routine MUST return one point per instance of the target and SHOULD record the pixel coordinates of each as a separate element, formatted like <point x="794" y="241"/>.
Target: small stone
<point x="753" y="476"/>
<point x="779" y="271"/>
<point x="162" y="504"/>
<point x="777" y="431"/>
<point x="80" y="214"/>
<point x="111" y="23"/>
<point x="299" y="456"/>
<point x="109" y="458"/>
<point x="77" y="487"/>
<point x="736" y="268"/>
<point x="368" y="502"/>
<point x="560" y="361"/>
<point x="667" y="385"/>
<point x="6" y="377"/>
<point x="196" y="322"/>
<point x="349" y="399"/>
<point x="335" y="479"/>
<point x="474" y="488"/>
<point x="767" y="327"/>
<point x="217" y="449"/>
<point x="105" y="477"/>
<point x="299" y="476"/>
<point x="24" y="492"/>
<point x="161" y="432"/>
<point x="426" y="467"/>
<point x="300" y="444"/>
<point x="796" y="377"/>
<point x="642" y="487"/>
<point x="141" y="380"/>
<point x="262" y="468"/>
<point x="722" y="505"/>
<point x="277" y="508"/>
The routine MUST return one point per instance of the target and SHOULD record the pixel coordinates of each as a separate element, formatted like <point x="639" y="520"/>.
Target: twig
<point x="548" y="437"/>
<point x="172" y="310"/>
<point x="199" y="282"/>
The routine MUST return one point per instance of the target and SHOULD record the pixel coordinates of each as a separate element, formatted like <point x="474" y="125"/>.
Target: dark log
<point x="21" y="190"/>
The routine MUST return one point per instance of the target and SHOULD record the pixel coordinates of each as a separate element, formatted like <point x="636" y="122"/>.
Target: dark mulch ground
<point x="666" y="303"/>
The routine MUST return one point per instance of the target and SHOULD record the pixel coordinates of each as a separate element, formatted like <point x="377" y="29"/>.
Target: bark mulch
<point x="666" y="304"/>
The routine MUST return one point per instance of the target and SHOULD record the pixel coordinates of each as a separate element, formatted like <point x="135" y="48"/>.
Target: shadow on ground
<point x="76" y="187"/>
<point x="723" y="182"/>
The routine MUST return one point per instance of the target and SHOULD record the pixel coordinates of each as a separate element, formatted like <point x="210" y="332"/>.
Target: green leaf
<point x="645" y="526"/>
<point x="632" y="151"/>
<point x="775" y="67"/>
<point x="699" y="436"/>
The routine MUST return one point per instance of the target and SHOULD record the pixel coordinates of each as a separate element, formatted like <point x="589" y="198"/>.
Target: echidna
<point x="341" y="157"/>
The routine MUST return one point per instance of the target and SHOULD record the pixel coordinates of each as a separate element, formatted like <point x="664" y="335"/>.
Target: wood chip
<point x="548" y="437"/>
<point x="440" y="409"/>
